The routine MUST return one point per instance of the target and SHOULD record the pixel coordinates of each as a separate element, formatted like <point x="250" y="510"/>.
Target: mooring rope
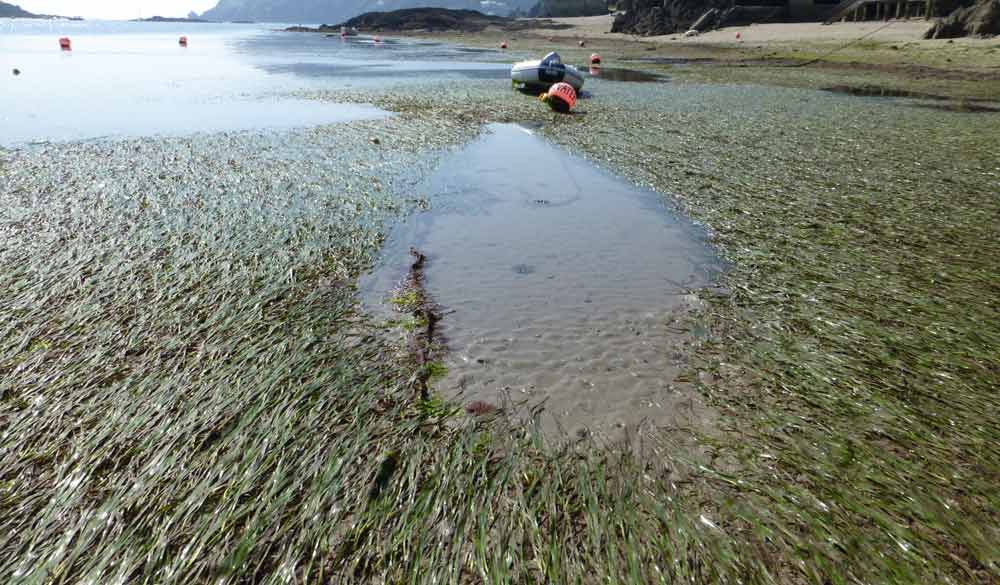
<point x="841" y="48"/>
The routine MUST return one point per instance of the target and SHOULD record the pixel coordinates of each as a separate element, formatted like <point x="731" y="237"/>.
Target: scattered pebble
<point x="480" y="408"/>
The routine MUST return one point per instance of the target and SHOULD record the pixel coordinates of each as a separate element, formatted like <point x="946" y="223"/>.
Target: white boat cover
<point x="546" y="72"/>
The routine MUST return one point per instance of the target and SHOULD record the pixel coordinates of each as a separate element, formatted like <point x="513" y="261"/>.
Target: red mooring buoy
<point x="183" y="41"/>
<point x="737" y="36"/>
<point x="595" y="59"/>
<point x="65" y="44"/>
<point x="561" y="97"/>
<point x="503" y="44"/>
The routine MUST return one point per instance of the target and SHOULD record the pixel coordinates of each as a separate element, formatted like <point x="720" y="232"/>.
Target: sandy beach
<point x="897" y="43"/>
<point x="904" y="30"/>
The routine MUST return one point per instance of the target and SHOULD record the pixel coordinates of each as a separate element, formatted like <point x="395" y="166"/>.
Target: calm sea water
<point x="134" y="79"/>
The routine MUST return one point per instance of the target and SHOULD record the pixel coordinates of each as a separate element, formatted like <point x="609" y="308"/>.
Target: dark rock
<point x="707" y="21"/>
<point x="480" y="408"/>
<point x="16" y="71"/>
<point x="661" y="17"/>
<point x="431" y="19"/>
<point x="949" y="27"/>
<point x="301" y="11"/>
<point x="568" y="8"/>
<point x="984" y="21"/>
<point x="170" y="19"/>
<point x="981" y="20"/>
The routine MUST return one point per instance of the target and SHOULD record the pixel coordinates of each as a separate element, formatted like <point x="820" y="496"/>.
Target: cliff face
<point x="331" y="11"/>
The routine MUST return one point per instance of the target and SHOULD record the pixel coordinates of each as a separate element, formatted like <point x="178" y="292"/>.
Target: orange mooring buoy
<point x="65" y="44"/>
<point x="183" y="41"/>
<point x="595" y="59"/>
<point x="561" y="97"/>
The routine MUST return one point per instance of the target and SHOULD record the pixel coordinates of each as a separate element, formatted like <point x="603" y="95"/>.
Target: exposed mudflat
<point x="622" y="74"/>
<point x="559" y="284"/>
<point x="919" y="99"/>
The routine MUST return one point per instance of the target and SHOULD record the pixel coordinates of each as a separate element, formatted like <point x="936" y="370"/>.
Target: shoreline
<point x="897" y="50"/>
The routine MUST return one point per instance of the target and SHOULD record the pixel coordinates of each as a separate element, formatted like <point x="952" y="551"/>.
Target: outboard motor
<point x="552" y="69"/>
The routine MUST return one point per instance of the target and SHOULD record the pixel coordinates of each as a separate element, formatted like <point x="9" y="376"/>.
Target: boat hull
<point x="544" y="75"/>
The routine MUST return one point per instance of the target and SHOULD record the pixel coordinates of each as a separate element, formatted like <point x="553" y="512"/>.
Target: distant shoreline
<point x="44" y="17"/>
<point x="8" y="10"/>
<point x="171" y="19"/>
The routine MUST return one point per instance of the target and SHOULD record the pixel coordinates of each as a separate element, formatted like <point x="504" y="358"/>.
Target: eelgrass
<point x="190" y="395"/>
<point x="855" y="364"/>
<point x="856" y="360"/>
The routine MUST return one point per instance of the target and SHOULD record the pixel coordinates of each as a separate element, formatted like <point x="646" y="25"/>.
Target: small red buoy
<point x="737" y="35"/>
<point x="65" y="44"/>
<point x="595" y="59"/>
<point x="183" y="41"/>
<point x="503" y="45"/>
<point x="561" y="97"/>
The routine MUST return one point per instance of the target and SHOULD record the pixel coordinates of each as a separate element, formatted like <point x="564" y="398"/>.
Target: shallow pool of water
<point x="559" y="283"/>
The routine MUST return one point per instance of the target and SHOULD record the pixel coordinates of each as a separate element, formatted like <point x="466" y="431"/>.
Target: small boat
<point x="546" y="72"/>
<point x="348" y="31"/>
